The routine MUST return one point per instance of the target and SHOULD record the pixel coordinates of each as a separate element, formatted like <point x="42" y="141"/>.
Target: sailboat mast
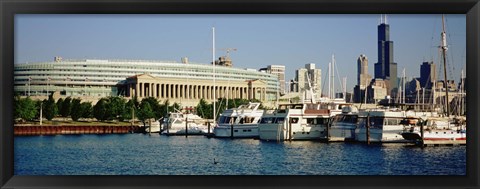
<point x="213" y="61"/>
<point x="444" y="48"/>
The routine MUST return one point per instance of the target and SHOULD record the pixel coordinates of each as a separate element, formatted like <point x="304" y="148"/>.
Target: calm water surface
<point x="143" y="154"/>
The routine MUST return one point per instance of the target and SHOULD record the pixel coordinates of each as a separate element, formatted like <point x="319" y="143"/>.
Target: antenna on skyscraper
<point x="386" y="19"/>
<point x="381" y="18"/>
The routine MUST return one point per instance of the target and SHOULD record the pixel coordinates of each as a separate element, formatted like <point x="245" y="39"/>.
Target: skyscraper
<point x="363" y="78"/>
<point x="427" y="74"/>
<point x="278" y="70"/>
<point x="385" y="68"/>
<point x="315" y="79"/>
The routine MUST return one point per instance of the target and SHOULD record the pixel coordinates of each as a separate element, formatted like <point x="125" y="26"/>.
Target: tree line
<point x="112" y="108"/>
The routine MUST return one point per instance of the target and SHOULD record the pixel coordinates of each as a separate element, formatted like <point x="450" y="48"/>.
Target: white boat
<point x="383" y="125"/>
<point x="343" y="125"/>
<point x="435" y="129"/>
<point x="183" y="124"/>
<point x="243" y="119"/>
<point x="297" y="122"/>
<point x="152" y="127"/>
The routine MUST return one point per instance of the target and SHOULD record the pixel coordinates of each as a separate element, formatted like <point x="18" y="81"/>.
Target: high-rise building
<point x="385" y="68"/>
<point x="315" y="76"/>
<point x="278" y="70"/>
<point x="363" y="78"/>
<point x="427" y="74"/>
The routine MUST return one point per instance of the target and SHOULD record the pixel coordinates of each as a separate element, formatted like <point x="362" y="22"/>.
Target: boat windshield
<point x="267" y="120"/>
<point x="346" y="118"/>
<point x="227" y="119"/>
<point x="246" y="120"/>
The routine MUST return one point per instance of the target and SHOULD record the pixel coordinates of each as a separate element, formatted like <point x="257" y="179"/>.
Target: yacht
<point x="435" y="129"/>
<point x="306" y="121"/>
<point x="183" y="124"/>
<point x="380" y="125"/>
<point x="152" y="127"/>
<point x="342" y="127"/>
<point x="244" y="121"/>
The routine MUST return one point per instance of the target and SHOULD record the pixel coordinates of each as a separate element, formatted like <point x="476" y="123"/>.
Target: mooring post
<point x="231" y="130"/>
<point x="368" y="129"/>
<point x="186" y="127"/>
<point x="290" y="130"/>
<point x="421" y="136"/>
<point x="329" y="123"/>
<point x="208" y="123"/>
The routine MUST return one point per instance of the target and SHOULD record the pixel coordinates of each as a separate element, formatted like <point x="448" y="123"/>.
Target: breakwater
<point x="77" y="129"/>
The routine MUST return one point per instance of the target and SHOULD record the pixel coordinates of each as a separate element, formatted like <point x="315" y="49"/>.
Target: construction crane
<point x="228" y="51"/>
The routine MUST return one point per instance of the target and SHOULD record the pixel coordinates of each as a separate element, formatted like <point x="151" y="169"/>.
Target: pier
<point x="79" y="129"/>
<point x="426" y="143"/>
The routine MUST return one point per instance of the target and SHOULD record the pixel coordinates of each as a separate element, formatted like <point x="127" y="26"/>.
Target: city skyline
<point x="261" y="40"/>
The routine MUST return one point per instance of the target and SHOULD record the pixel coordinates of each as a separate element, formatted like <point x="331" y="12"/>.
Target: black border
<point x="8" y="8"/>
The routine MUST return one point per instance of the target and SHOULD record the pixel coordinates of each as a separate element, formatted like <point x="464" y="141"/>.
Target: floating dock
<point x="442" y="143"/>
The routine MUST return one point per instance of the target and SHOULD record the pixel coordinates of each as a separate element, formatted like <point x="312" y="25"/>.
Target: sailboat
<point x="437" y="129"/>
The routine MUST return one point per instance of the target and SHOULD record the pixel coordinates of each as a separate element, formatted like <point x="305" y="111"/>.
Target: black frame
<point x="8" y="8"/>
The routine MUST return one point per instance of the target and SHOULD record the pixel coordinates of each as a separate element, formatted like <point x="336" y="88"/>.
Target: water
<point x="143" y="154"/>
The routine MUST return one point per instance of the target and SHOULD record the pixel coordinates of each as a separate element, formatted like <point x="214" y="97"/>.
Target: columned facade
<point x="189" y="94"/>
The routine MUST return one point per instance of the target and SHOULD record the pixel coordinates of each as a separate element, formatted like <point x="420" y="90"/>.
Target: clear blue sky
<point x="260" y="40"/>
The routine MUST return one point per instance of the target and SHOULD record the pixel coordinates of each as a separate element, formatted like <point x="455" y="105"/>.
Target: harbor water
<point x="144" y="154"/>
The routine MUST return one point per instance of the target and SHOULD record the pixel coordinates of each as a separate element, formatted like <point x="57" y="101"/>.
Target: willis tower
<point x="385" y="68"/>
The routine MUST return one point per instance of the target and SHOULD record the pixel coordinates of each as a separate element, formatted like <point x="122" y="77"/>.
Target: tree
<point x="100" y="109"/>
<point x="86" y="109"/>
<point x="59" y="105"/>
<point x="129" y="108"/>
<point x="155" y="105"/>
<point x="50" y="109"/>
<point x="24" y="109"/>
<point x="116" y="107"/>
<point x="76" y="111"/>
<point x="145" y="112"/>
<point x="204" y="109"/>
<point x="65" y="111"/>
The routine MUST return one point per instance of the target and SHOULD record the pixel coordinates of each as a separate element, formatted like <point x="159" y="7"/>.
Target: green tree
<point x="50" y="109"/>
<point x="204" y="109"/>
<point x="155" y="105"/>
<point x="129" y="108"/>
<point x="145" y="112"/>
<point x="66" y="107"/>
<point x="25" y="108"/>
<point x="87" y="110"/>
<point x="116" y="107"/>
<point x="100" y="109"/>
<point x="76" y="111"/>
<point x="59" y="106"/>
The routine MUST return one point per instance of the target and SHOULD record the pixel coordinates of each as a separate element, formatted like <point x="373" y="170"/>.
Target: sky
<point x="260" y="40"/>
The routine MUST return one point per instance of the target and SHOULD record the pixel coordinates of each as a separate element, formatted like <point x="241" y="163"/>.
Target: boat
<point x="342" y="127"/>
<point x="305" y="121"/>
<point x="184" y="124"/>
<point x="434" y="129"/>
<point x="380" y="125"/>
<point x="244" y="121"/>
<point x="152" y="126"/>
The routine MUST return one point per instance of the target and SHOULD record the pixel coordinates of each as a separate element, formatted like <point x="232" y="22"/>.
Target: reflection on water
<point x="143" y="154"/>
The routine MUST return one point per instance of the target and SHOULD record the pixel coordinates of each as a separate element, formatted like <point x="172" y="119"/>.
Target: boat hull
<point x="239" y="131"/>
<point x="341" y="133"/>
<point x="280" y="132"/>
<point x="391" y="135"/>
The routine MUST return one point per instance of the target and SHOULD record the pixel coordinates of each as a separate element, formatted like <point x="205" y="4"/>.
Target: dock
<point x="426" y="143"/>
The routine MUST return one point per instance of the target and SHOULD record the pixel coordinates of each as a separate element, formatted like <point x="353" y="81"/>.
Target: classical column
<point x="164" y="95"/>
